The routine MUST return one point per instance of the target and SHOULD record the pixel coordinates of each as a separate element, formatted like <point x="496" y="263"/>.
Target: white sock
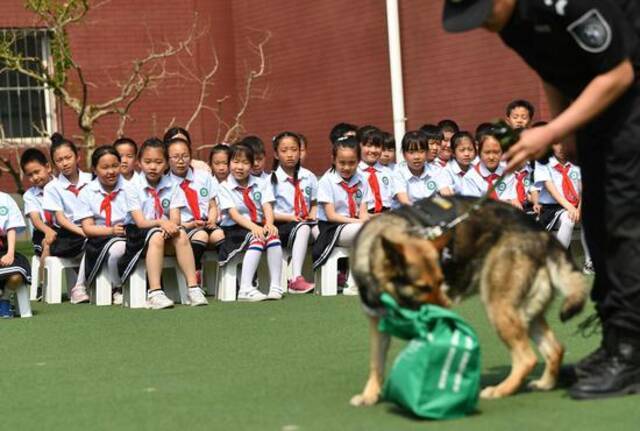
<point x="348" y="234"/>
<point x="565" y="230"/>
<point x="250" y="264"/>
<point x="299" y="250"/>
<point x="274" y="261"/>
<point x="115" y="252"/>
<point x="81" y="276"/>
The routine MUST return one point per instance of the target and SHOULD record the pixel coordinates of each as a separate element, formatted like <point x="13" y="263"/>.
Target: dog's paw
<point x="541" y="385"/>
<point x="491" y="393"/>
<point x="361" y="400"/>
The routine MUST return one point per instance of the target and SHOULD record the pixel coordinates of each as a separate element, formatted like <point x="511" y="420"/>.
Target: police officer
<point x="587" y="52"/>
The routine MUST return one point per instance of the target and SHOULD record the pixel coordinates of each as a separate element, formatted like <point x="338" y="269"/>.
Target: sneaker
<point x="275" y="293"/>
<point x="158" y="300"/>
<point x="196" y="297"/>
<point x="5" y="309"/>
<point x="587" y="269"/>
<point x="300" y="285"/>
<point x="79" y="295"/>
<point x="350" y="291"/>
<point x="117" y="297"/>
<point x="253" y="295"/>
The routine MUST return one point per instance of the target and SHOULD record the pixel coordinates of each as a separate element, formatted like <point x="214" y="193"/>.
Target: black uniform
<point x="569" y="43"/>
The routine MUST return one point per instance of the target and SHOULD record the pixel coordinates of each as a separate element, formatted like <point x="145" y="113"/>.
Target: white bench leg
<point x="53" y="277"/>
<point x="174" y="281"/>
<point x="210" y="276"/>
<point x="35" y="277"/>
<point x="135" y="291"/>
<point x="229" y="280"/>
<point x="22" y="301"/>
<point x="101" y="294"/>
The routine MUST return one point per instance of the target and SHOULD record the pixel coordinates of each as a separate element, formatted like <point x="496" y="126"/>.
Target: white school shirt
<point x="140" y="199"/>
<point x="202" y="183"/>
<point x="451" y="177"/>
<point x="385" y="181"/>
<point x="90" y="201"/>
<point x="330" y="191"/>
<point x="264" y="176"/>
<point x="547" y="172"/>
<point x="417" y="187"/>
<point x="10" y="216"/>
<point x="33" y="199"/>
<point x="474" y="184"/>
<point x="230" y="197"/>
<point x="57" y="196"/>
<point x="284" y="191"/>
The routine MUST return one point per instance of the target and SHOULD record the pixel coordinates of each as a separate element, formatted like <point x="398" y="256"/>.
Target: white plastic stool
<point x="135" y="294"/>
<point x="35" y="277"/>
<point x="101" y="291"/>
<point x="23" y="304"/>
<point x="228" y="277"/>
<point x="326" y="277"/>
<point x="210" y="272"/>
<point x="53" y="270"/>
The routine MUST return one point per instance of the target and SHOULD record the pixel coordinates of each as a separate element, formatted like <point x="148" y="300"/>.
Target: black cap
<point x="463" y="15"/>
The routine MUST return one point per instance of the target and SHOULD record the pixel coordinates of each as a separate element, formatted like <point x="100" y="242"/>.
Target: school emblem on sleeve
<point x="591" y="31"/>
<point x="502" y="187"/>
<point x="204" y="192"/>
<point x="385" y="181"/>
<point x="574" y="175"/>
<point x="257" y="196"/>
<point x="431" y="185"/>
<point x="527" y="182"/>
<point x="165" y="203"/>
<point x="4" y="211"/>
<point x="307" y="191"/>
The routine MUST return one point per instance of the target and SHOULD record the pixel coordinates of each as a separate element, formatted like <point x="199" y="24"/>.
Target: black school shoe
<point x="616" y="375"/>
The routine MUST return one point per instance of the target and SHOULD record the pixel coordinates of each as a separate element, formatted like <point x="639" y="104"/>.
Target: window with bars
<point x="26" y="105"/>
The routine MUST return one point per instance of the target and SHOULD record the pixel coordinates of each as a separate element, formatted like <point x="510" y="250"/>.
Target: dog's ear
<point x="394" y="249"/>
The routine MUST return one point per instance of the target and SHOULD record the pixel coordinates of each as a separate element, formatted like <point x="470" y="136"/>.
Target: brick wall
<point x="328" y="62"/>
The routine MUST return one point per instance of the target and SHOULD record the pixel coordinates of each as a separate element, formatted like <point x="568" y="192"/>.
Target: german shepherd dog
<point x="497" y="251"/>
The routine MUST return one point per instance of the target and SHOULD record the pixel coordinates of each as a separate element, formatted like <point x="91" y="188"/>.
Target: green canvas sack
<point x="437" y="375"/>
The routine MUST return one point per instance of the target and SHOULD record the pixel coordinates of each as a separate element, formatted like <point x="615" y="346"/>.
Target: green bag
<point x="437" y="375"/>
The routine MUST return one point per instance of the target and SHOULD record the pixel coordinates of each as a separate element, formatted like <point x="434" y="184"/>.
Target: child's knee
<point x="200" y="236"/>
<point x="157" y="239"/>
<point x="14" y="281"/>
<point x="216" y="236"/>
<point x="182" y="239"/>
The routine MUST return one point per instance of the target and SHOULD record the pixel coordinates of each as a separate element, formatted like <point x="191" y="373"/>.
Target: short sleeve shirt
<point x="203" y="184"/>
<point x="475" y="184"/>
<point x="385" y="182"/>
<point x="548" y="172"/>
<point x="330" y="191"/>
<point x="141" y="198"/>
<point x="284" y="190"/>
<point x="260" y="193"/>
<point x="33" y="200"/>
<point x="92" y="197"/>
<point x="10" y="216"/>
<point x="58" y="195"/>
<point x="451" y="177"/>
<point x="417" y="186"/>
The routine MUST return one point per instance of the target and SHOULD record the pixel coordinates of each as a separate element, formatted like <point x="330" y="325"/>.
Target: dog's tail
<point x="569" y="281"/>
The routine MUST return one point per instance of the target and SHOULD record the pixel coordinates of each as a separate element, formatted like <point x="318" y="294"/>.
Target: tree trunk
<point x="90" y="146"/>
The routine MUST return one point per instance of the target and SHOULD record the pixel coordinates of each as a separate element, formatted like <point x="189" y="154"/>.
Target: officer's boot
<point x="591" y="363"/>
<point x="618" y="374"/>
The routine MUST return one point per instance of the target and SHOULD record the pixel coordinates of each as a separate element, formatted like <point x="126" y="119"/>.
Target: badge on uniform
<point x="591" y="31"/>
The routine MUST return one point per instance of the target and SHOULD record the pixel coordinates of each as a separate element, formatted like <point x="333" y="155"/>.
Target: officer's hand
<point x="532" y="145"/>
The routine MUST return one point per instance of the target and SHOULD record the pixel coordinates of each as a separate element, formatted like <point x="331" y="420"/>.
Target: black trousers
<point x="609" y="156"/>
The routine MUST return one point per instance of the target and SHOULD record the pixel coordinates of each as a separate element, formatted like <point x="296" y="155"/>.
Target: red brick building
<point x="328" y="62"/>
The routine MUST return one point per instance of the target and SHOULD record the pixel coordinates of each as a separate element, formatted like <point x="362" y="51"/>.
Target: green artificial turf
<point x="287" y="365"/>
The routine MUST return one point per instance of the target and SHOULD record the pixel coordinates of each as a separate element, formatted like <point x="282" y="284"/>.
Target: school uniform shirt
<point x="10" y="217"/>
<point x="383" y="181"/>
<point x="61" y="195"/>
<point x="264" y="176"/>
<point x="106" y="208"/>
<point x="567" y="178"/>
<point x="155" y="203"/>
<point x="524" y="183"/>
<point x="476" y="183"/>
<point x="451" y="177"/>
<point x="247" y="200"/>
<point x="290" y="199"/>
<point x="199" y="190"/>
<point x="331" y="191"/>
<point x="33" y="203"/>
<point x="417" y="187"/>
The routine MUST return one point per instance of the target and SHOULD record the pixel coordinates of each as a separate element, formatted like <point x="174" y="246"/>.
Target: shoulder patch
<point x="591" y="31"/>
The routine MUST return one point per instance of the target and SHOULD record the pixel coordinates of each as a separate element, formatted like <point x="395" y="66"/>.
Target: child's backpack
<point x="437" y="375"/>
